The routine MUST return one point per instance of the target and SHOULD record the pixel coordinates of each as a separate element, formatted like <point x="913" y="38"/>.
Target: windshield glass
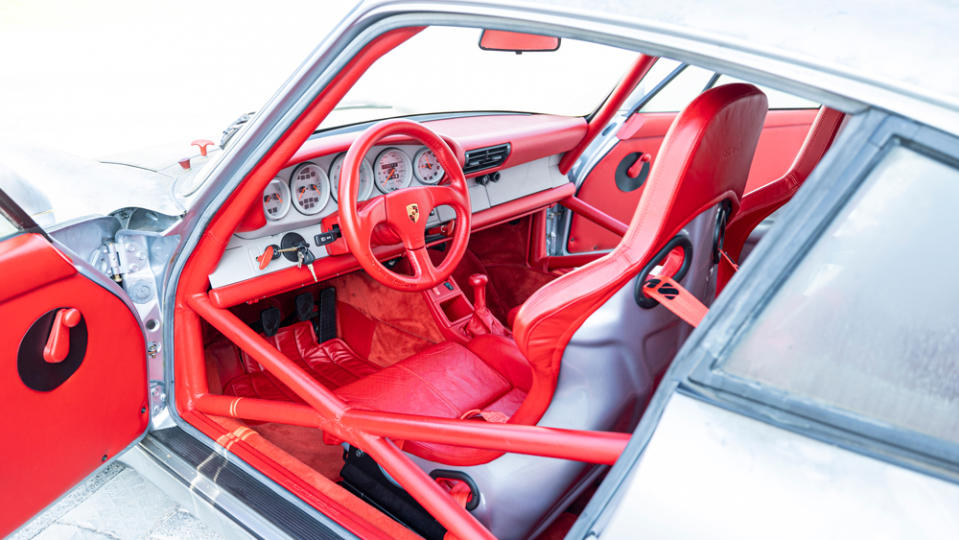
<point x="443" y="69"/>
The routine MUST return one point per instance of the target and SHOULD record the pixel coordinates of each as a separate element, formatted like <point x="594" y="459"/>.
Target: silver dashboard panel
<point x="239" y="259"/>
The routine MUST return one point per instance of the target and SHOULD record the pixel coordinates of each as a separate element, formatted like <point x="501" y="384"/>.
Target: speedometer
<point x="276" y="199"/>
<point x="428" y="170"/>
<point x="392" y="170"/>
<point x="366" y="178"/>
<point x="310" y="188"/>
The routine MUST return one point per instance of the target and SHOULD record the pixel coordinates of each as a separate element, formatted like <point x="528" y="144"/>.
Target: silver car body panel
<point x="58" y="188"/>
<point x="712" y="473"/>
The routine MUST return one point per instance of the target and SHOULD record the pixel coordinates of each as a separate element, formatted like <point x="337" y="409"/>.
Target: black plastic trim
<point x="500" y="152"/>
<point x="460" y="475"/>
<point x="625" y="182"/>
<point x="678" y="241"/>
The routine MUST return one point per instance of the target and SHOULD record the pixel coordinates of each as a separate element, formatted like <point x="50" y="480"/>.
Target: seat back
<point x="703" y="162"/>
<point x="760" y="203"/>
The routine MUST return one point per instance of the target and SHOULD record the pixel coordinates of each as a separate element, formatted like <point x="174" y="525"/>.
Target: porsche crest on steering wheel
<point x="413" y="211"/>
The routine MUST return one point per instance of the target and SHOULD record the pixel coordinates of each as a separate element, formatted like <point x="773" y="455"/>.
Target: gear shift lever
<point x="483" y="321"/>
<point x="478" y="282"/>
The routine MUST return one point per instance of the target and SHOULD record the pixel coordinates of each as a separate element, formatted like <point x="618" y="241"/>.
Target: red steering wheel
<point x="405" y="210"/>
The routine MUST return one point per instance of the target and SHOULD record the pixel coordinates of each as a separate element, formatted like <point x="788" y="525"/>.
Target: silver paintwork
<point x="75" y="188"/>
<point x="711" y="473"/>
<point x="607" y="376"/>
<point x="142" y="257"/>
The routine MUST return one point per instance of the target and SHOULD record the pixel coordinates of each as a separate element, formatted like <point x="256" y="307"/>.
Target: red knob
<point x="202" y="144"/>
<point x="478" y="282"/>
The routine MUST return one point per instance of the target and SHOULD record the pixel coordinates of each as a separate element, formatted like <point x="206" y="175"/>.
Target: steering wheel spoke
<point x="446" y="195"/>
<point x="422" y="264"/>
<point x="372" y="214"/>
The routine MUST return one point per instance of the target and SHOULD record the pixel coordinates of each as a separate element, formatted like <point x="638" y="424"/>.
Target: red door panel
<point x="64" y="415"/>
<point x="783" y="134"/>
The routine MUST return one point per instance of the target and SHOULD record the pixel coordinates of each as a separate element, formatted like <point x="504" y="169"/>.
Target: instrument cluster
<point x="308" y="191"/>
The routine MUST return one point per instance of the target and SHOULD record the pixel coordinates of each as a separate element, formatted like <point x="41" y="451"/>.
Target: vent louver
<point x="485" y="158"/>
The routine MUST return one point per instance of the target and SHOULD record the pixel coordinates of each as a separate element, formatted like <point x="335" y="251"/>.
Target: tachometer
<point x="392" y="170"/>
<point x="366" y="178"/>
<point x="310" y="188"/>
<point x="276" y="199"/>
<point x="428" y="170"/>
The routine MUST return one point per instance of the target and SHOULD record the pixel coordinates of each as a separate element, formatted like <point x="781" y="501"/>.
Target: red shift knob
<point x="478" y="282"/>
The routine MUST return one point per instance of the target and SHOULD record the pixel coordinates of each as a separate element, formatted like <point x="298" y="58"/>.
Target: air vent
<point x="486" y="158"/>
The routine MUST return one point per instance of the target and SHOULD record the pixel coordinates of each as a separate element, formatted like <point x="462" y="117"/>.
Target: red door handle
<point x="58" y="344"/>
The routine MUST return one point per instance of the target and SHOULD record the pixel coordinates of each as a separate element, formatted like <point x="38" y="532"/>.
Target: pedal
<point x="305" y="307"/>
<point x="270" y="320"/>
<point x="325" y="326"/>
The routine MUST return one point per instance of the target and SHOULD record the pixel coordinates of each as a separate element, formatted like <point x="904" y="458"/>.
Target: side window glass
<point x="6" y="227"/>
<point x="777" y="99"/>
<point x="680" y="91"/>
<point x="867" y="321"/>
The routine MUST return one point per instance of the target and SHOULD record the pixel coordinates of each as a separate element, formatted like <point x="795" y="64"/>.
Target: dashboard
<point x="294" y="204"/>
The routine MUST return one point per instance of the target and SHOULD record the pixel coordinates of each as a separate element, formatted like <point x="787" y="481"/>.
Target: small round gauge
<point x="310" y="188"/>
<point x="276" y="199"/>
<point x="392" y="170"/>
<point x="366" y="178"/>
<point x="428" y="170"/>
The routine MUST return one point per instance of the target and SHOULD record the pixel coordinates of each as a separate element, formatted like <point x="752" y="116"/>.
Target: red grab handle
<point x="58" y="344"/>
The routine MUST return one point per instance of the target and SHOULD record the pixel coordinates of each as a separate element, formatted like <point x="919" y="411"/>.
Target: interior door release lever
<point x="58" y="344"/>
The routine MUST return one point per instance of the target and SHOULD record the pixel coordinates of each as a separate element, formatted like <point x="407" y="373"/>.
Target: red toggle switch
<point x="266" y="257"/>
<point x="202" y="144"/>
<point x="58" y="344"/>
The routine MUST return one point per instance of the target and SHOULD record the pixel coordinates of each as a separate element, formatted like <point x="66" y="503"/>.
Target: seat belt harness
<point x="676" y="299"/>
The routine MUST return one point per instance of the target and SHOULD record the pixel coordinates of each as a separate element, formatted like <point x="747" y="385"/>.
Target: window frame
<point x="868" y="137"/>
<point x="11" y="212"/>
<point x="663" y="84"/>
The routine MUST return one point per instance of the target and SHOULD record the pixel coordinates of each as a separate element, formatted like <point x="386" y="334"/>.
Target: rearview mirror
<point x="517" y="42"/>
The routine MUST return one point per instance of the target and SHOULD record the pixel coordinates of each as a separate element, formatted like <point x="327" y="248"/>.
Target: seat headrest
<point x="704" y="159"/>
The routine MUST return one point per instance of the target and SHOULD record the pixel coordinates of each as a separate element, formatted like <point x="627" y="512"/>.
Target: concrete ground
<point x="115" y="503"/>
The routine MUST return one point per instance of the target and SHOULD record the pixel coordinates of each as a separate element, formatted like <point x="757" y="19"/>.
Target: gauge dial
<point x="366" y="178"/>
<point x="392" y="170"/>
<point x="427" y="168"/>
<point x="276" y="199"/>
<point x="310" y="188"/>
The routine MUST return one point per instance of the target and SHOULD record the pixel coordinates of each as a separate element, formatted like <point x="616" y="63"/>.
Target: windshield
<point x="443" y="69"/>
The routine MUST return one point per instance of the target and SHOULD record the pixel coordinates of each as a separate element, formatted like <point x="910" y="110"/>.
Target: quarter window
<point x="867" y="322"/>
<point x="680" y="91"/>
<point x="6" y="228"/>
<point x="692" y="81"/>
<point x="777" y="99"/>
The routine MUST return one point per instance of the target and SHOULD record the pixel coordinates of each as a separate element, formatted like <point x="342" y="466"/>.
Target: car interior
<point x="396" y="321"/>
